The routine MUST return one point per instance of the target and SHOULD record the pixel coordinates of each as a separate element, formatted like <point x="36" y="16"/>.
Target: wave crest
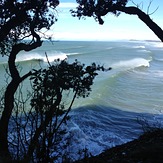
<point x="39" y="57"/>
<point x="131" y="64"/>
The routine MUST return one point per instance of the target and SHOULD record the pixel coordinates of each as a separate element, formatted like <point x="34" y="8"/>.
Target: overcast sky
<point x="115" y="28"/>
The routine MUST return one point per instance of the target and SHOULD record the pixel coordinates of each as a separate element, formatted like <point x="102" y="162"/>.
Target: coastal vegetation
<point x="98" y="9"/>
<point x="19" y="21"/>
<point x="33" y="134"/>
<point x="148" y="147"/>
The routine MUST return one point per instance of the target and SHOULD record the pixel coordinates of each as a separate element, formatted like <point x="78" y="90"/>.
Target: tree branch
<point x="135" y="11"/>
<point x="12" y="23"/>
<point x="144" y="17"/>
<point x="15" y="50"/>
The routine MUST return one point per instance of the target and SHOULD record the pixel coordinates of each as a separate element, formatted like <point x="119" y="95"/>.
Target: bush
<point x="37" y="132"/>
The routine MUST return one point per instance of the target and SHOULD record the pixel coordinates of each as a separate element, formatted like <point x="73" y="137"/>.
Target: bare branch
<point x="47" y="59"/>
<point x="150" y="3"/>
<point x="140" y="5"/>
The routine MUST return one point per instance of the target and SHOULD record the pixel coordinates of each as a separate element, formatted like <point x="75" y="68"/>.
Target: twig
<point x="47" y="59"/>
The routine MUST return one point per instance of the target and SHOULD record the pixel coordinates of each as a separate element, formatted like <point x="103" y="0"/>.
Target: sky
<point x="124" y="27"/>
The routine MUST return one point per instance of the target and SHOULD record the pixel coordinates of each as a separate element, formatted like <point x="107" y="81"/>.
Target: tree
<point x="50" y="87"/>
<point x="37" y="132"/>
<point x="33" y="132"/>
<point x="20" y="20"/>
<point x="99" y="8"/>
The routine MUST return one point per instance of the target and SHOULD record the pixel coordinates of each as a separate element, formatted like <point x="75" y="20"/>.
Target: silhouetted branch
<point x="135" y="11"/>
<point x="149" y="8"/>
<point x="144" y="17"/>
<point x="20" y="18"/>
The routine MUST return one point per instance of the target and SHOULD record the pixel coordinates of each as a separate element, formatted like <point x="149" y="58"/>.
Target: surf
<point x="41" y="57"/>
<point x="131" y="64"/>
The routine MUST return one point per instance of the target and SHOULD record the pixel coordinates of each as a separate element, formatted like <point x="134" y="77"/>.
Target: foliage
<point x="65" y="76"/>
<point x="36" y="133"/>
<point x="22" y="23"/>
<point x="20" y="19"/>
<point x="33" y="133"/>
<point x="97" y="8"/>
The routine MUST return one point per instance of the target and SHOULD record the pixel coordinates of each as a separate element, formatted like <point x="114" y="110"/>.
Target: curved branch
<point x="10" y="91"/>
<point x="18" y="18"/>
<point x="12" y="23"/>
<point x="144" y="17"/>
<point x="15" y="50"/>
<point x="136" y="11"/>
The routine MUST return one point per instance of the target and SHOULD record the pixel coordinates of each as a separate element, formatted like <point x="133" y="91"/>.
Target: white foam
<point x="157" y="73"/>
<point x="87" y="137"/>
<point x="37" y="56"/>
<point x="133" y="63"/>
<point x="72" y="54"/>
<point x="158" y="44"/>
<point x="139" y="47"/>
<point x="145" y="51"/>
<point x="109" y="48"/>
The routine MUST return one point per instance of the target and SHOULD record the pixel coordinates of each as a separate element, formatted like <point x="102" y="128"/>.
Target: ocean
<point x="121" y="99"/>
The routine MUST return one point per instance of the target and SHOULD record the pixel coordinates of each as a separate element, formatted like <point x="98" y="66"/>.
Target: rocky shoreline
<point x="148" y="148"/>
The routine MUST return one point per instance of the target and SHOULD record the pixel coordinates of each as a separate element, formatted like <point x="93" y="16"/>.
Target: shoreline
<point x="147" y="148"/>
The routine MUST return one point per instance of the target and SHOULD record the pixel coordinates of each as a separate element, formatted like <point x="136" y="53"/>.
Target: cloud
<point x="101" y="35"/>
<point x="123" y="27"/>
<point x="67" y="5"/>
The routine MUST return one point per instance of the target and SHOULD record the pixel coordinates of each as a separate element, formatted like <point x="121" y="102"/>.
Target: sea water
<point x="131" y="91"/>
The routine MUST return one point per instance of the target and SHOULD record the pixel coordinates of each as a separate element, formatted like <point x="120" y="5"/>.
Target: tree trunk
<point x="9" y="102"/>
<point x="48" y="117"/>
<point x="4" y="121"/>
<point x="10" y="91"/>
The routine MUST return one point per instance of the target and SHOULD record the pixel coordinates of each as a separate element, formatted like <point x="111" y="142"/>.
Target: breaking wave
<point x="131" y="64"/>
<point x="43" y="58"/>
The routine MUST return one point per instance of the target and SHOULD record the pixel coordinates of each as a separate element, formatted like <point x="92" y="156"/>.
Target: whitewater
<point x="131" y="92"/>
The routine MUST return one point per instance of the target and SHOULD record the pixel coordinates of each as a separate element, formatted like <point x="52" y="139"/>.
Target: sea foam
<point x="131" y="64"/>
<point x="36" y="56"/>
